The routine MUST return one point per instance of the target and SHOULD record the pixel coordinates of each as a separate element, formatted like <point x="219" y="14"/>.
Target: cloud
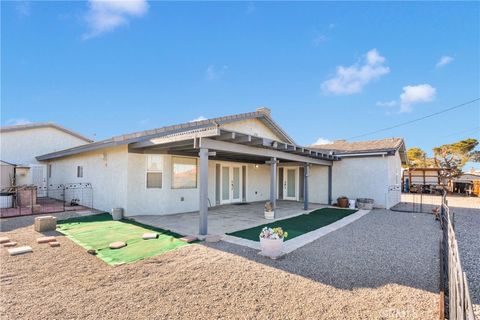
<point x="23" y="8"/>
<point x="391" y="103"/>
<point x="17" y="121"/>
<point x="444" y="60"/>
<point x="416" y="94"/>
<point x="201" y="118"/>
<point x="106" y="15"/>
<point x="323" y="141"/>
<point x="352" y="79"/>
<point x="213" y="73"/>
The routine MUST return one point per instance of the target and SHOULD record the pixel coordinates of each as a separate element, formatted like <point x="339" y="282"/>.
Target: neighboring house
<point x="20" y="144"/>
<point x="369" y="169"/>
<point x="467" y="183"/>
<point x="241" y="158"/>
<point x="7" y="174"/>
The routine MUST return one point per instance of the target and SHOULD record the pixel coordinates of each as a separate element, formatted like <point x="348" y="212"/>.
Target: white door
<point x="39" y="179"/>
<point x="231" y="180"/>
<point x="290" y="183"/>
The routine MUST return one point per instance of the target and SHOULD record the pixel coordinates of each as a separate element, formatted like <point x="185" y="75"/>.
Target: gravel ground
<point x="467" y="226"/>
<point x="382" y="266"/>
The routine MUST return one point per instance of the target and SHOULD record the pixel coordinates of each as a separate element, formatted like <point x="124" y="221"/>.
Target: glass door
<point x="290" y="184"/>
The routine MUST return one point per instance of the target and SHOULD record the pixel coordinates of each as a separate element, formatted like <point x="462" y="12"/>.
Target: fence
<point x="28" y="200"/>
<point x="455" y="300"/>
<point x="418" y="202"/>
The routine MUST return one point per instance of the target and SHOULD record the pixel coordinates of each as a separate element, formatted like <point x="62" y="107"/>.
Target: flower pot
<point x="271" y="247"/>
<point x="342" y="202"/>
<point x="270" y="215"/>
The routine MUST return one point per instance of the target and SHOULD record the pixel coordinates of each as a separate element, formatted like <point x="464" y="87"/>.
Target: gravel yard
<point x="382" y="266"/>
<point x="467" y="226"/>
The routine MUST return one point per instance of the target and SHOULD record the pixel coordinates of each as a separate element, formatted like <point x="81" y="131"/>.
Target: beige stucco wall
<point x="105" y="169"/>
<point x="22" y="146"/>
<point x="252" y="127"/>
<point x="318" y="184"/>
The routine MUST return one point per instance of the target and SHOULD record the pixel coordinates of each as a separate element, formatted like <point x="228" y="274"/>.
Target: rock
<point x="19" y="250"/>
<point x="54" y="244"/>
<point x="45" y="223"/>
<point x="147" y="236"/>
<point x="117" y="245"/>
<point x="46" y="239"/>
<point x="188" y="239"/>
<point x="4" y="240"/>
<point x="93" y="252"/>
<point x="10" y="244"/>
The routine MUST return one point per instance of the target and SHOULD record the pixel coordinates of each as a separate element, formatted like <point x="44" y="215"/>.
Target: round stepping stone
<point x="117" y="245"/>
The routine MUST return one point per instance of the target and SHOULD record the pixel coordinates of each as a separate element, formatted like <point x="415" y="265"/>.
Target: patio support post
<point x="306" y="173"/>
<point x="329" y="185"/>
<point x="203" y="191"/>
<point x="273" y="181"/>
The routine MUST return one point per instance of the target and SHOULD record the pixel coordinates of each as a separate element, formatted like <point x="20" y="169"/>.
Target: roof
<point x="43" y="125"/>
<point x="262" y="114"/>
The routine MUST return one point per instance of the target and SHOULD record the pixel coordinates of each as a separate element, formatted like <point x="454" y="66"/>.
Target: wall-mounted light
<point x="256" y="166"/>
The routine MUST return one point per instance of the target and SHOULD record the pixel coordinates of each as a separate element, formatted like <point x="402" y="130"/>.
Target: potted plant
<point x="269" y="213"/>
<point x="342" y="201"/>
<point x="271" y="241"/>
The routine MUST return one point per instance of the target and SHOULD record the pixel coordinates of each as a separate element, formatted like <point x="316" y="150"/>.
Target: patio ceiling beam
<point x="188" y="136"/>
<point x="261" y="152"/>
<point x="226" y="136"/>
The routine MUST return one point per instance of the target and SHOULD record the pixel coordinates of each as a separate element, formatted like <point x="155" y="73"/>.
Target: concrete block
<point x="213" y="238"/>
<point x="188" y="239"/>
<point x="147" y="236"/>
<point x="4" y="240"/>
<point x="54" y="244"/>
<point x="10" y="244"/>
<point x="45" y="223"/>
<point x="46" y="239"/>
<point x="19" y="250"/>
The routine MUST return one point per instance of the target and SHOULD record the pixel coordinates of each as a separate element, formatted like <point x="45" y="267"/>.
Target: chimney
<point x="264" y="110"/>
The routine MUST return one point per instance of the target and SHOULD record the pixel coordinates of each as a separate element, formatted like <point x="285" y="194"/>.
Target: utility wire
<point x="462" y="132"/>
<point x="416" y="120"/>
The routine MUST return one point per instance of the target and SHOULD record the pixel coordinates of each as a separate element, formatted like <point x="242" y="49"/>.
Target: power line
<point x="461" y="132"/>
<point x="416" y="120"/>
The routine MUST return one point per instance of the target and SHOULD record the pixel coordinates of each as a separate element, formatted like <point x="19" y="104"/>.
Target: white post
<point x="203" y="191"/>
<point x="273" y="181"/>
<point x="306" y="173"/>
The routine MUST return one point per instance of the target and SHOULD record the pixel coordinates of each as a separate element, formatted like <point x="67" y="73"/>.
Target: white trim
<point x="362" y="154"/>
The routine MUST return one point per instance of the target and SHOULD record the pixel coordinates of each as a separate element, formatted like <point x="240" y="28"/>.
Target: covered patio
<point x="225" y="145"/>
<point x="225" y="218"/>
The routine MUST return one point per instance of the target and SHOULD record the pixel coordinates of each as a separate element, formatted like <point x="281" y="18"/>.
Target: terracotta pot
<point x="342" y="202"/>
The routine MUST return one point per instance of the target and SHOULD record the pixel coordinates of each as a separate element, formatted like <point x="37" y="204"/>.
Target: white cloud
<point x="352" y="79"/>
<point x="323" y="141"/>
<point x="106" y="15"/>
<point x="391" y="103"/>
<point x="18" y="121"/>
<point x="416" y="94"/>
<point x="444" y="60"/>
<point x="201" y="118"/>
<point x="213" y="73"/>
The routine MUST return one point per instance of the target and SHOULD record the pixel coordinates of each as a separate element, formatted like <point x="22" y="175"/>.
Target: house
<point x="20" y="144"/>
<point x="245" y="157"/>
<point x="369" y="169"/>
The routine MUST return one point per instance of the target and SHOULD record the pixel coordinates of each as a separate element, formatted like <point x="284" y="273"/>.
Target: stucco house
<point x="21" y="144"/>
<point x="240" y="158"/>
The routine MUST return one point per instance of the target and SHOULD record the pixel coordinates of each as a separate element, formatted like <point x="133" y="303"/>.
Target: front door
<point x="231" y="180"/>
<point x="290" y="183"/>
<point x="39" y="179"/>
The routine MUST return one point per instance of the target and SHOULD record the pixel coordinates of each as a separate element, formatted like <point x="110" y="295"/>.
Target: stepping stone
<point x="4" y="240"/>
<point x="10" y="244"/>
<point x="19" y="250"/>
<point x="188" y="239"/>
<point x="147" y="236"/>
<point x="46" y="239"/>
<point x="54" y="244"/>
<point x="117" y="245"/>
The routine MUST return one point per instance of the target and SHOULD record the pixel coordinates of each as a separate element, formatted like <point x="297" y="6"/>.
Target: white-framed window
<point x="184" y="173"/>
<point x="79" y="172"/>
<point x="154" y="171"/>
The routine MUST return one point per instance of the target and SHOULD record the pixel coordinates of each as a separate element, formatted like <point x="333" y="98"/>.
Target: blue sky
<point x="327" y="70"/>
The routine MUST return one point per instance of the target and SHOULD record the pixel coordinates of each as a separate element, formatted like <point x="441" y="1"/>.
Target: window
<point x="154" y="171"/>
<point x="49" y="170"/>
<point x="79" y="172"/>
<point x="184" y="173"/>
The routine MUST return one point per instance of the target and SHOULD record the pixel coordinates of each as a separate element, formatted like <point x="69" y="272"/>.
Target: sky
<point x="327" y="70"/>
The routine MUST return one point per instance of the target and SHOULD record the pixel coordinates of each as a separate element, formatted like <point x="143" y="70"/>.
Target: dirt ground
<point x="193" y="282"/>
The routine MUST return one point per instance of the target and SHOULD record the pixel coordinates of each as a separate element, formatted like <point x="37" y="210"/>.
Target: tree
<point x="418" y="158"/>
<point x="452" y="157"/>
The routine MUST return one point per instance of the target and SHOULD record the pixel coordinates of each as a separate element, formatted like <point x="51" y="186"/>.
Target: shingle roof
<point x="43" y="125"/>
<point x="344" y="147"/>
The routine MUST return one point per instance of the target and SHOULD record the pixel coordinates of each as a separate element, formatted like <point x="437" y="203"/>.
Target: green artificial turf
<point x="296" y="226"/>
<point x="98" y="231"/>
